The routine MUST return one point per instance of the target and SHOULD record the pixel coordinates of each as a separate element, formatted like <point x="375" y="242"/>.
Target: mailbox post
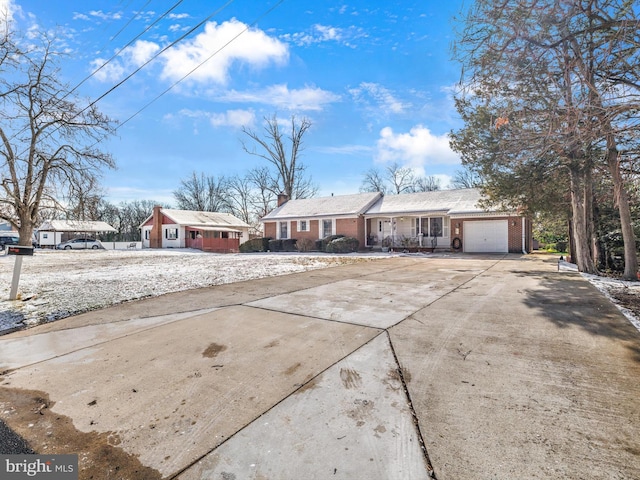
<point x="19" y="251"/>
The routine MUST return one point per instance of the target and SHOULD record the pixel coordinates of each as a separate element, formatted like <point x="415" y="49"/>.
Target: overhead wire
<point x="128" y="44"/>
<point x="120" y="83"/>
<point x="267" y="12"/>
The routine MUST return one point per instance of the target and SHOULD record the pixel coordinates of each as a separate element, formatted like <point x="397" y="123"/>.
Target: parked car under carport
<point x="80" y="244"/>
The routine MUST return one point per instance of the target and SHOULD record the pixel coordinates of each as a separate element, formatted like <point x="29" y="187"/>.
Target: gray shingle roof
<point x="75" y="226"/>
<point x="339" y="205"/>
<point x="451" y="202"/>
<point x="195" y="219"/>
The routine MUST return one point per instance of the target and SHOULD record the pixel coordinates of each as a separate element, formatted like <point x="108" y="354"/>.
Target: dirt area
<point x="627" y="297"/>
<point x="99" y="457"/>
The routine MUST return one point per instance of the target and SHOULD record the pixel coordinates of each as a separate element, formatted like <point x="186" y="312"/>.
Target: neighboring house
<point x="316" y="218"/>
<point x="53" y="232"/>
<point x="209" y="231"/>
<point x="438" y="220"/>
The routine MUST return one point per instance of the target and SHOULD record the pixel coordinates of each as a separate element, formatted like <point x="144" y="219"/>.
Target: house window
<point x="171" y="233"/>
<point x="327" y="228"/>
<point x="424" y="226"/>
<point x="303" y="226"/>
<point x="283" y="230"/>
<point x="435" y="227"/>
<point x="380" y="226"/>
<point x="146" y="234"/>
<point x="45" y="235"/>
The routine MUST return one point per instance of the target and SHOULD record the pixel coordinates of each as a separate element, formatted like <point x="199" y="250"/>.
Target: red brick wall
<point x="351" y="227"/>
<point x="270" y="229"/>
<point x="312" y="234"/>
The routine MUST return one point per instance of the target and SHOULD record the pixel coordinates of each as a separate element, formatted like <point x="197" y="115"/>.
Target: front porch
<point x="408" y="232"/>
<point x="213" y="239"/>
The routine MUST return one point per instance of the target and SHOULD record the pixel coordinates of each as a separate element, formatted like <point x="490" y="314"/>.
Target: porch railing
<point x="406" y="241"/>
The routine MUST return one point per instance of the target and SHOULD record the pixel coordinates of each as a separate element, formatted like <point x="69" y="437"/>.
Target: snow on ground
<point x="614" y="289"/>
<point x="57" y="284"/>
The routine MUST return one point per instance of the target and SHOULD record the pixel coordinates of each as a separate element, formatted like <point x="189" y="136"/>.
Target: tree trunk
<point x="621" y="200"/>
<point x="580" y="206"/>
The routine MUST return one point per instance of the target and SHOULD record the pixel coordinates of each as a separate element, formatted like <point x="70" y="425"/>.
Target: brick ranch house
<point x="208" y="231"/>
<point x="438" y="220"/>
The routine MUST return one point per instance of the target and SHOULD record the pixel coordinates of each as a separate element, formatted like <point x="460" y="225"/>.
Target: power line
<point x="128" y="44"/>
<point x="201" y="64"/>
<point x="160" y="52"/>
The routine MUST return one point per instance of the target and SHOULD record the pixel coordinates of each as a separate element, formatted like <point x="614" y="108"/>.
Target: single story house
<point x="438" y="220"/>
<point x="208" y="231"/>
<point x="53" y="232"/>
<point x="316" y="218"/>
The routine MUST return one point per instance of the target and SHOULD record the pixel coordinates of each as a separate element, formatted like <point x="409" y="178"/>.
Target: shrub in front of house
<point x="343" y="245"/>
<point x="289" y="245"/>
<point x="275" y="245"/>
<point x="321" y="245"/>
<point x="305" y="245"/>
<point x="255" y="245"/>
<point x="286" y="245"/>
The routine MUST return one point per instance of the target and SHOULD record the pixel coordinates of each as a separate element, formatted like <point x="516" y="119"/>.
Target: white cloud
<point x="220" y="46"/>
<point x="130" y="58"/>
<point x="307" y="98"/>
<point x="105" y="16"/>
<point x="7" y="11"/>
<point x="323" y="33"/>
<point x="415" y="149"/>
<point x="102" y="72"/>
<point x="233" y="118"/>
<point x="345" y="150"/>
<point x="382" y="98"/>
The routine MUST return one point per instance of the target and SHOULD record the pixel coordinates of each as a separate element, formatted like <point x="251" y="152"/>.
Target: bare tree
<point x="373" y="181"/>
<point x="203" y="193"/>
<point x="240" y="198"/>
<point x="47" y="138"/>
<point x="85" y="200"/>
<point x="288" y="171"/>
<point x="466" y="178"/>
<point x="426" y="184"/>
<point x="401" y="178"/>
<point x="265" y="198"/>
<point x="396" y="180"/>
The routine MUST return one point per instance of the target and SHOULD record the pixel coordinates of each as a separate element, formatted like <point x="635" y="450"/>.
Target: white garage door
<point x="489" y="236"/>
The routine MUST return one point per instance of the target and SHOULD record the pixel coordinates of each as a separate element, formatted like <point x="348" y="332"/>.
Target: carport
<point x="53" y="232"/>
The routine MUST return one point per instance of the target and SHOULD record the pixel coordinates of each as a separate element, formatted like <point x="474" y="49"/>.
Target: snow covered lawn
<point x="57" y="284"/>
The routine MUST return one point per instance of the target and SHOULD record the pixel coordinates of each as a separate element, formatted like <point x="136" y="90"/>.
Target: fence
<point x="122" y="245"/>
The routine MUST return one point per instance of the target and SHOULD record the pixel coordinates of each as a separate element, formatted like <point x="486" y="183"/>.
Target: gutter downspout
<point x="524" y="251"/>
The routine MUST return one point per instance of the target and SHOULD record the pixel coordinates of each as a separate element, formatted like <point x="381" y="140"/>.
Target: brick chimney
<point x="155" y="236"/>
<point x="282" y="198"/>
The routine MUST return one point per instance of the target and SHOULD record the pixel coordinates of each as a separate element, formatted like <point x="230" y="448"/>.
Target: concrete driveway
<point x="454" y="367"/>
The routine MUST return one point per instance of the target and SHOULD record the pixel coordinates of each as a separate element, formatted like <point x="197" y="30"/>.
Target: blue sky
<point x="374" y="78"/>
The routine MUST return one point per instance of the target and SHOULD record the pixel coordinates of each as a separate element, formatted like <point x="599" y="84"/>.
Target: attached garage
<point x="486" y="236"/>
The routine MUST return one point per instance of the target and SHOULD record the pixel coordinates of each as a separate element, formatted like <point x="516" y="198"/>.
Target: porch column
<point x="366" y="234"/>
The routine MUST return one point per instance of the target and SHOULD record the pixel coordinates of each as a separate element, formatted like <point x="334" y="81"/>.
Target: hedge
<point x="285" y="245"/>
<point x="255" y="245"/>
<point x="321" y="245"/>
<point x="343" y="245"/>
